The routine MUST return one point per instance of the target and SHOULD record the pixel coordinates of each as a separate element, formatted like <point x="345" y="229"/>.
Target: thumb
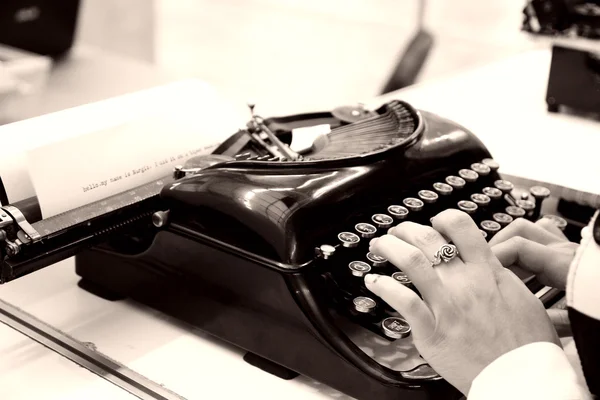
<point x="535" y="258"/>
<point x="403" y="300"/>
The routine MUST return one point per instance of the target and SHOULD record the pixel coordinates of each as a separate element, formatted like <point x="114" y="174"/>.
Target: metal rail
<point x="99" y="364"/>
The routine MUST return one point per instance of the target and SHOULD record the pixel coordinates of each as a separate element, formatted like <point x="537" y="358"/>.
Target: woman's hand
<point x="539" y="248"/>
<point x="473" y="310"/>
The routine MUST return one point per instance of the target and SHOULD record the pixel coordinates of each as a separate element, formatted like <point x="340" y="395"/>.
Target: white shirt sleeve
<point x="535" y="371"/>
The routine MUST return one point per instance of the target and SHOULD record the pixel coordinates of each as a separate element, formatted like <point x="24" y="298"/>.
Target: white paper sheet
<point x="74" y="157"/>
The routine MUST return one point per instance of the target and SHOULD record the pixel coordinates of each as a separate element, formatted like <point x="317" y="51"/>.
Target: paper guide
<point x="98" y="150"/>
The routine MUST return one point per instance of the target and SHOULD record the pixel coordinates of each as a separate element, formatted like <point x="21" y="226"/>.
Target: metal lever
<point x="285" y="150"/>
<point x="27" y="233"/>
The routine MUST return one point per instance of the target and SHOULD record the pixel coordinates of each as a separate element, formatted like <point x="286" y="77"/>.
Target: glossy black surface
<point x="283" y="210"/>
<point x="238" y="259"/>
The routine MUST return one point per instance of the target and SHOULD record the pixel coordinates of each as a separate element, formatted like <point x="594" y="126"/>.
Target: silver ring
<point x="446" y="253"/>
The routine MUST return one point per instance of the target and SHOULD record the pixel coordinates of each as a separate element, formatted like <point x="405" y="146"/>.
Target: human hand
<point x="473" y="310"/>
<point x="539" y="248"/>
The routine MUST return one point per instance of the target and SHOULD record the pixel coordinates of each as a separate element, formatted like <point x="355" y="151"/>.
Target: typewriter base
<point x="245" y="304"/>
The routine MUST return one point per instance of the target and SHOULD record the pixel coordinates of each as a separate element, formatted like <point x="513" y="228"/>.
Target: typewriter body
<point x="266" y="248"/>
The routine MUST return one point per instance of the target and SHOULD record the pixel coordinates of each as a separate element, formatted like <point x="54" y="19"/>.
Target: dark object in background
<point x="574" y="80"/>
<point x="563" y="18"/>
<point x="44" y="27"/>
<point x="413" y="58"/>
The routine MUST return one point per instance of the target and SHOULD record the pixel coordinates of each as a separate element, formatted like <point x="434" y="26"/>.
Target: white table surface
<point x="200" y="367"/>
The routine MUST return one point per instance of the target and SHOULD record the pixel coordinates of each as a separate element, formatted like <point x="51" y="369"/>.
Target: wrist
<point x="535" y="370"/>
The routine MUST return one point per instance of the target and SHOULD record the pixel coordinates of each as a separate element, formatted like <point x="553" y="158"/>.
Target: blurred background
<point x="295" y="55"/>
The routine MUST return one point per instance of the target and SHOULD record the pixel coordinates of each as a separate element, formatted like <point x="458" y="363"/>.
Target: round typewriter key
<point x="364" y="304"/>
<point x="481" y="200"/>
<point x="413" y="204"/>
<point x="456" y="182"/>
<point x="526" y="205"/>
<point x="561" y="223"/>
<point x="428" y="196"/>
<point x="492" y="192"/>
<point x="468" y="175"/>
<point x="399" y="212"/>
<point x="481" y="169"/>
<point x="326" y="250"/>
<point x="494" y="166"/>
<point x="377" y="261"/>
<point x="359" y="268"/>
<point x="365" y="230"/>
<point x="442" y="188"/>
<point x="402" y="278"/>
<point x="502" y="218"/>
<point x="490" y="227"/>
<point x="504" y="186"/>
<point x="467" y="206"/>
<point x="515" y="212"/>
<point x="382" y="220"/>
<point x="539" y="192"/>
<point x="395" y="327"/>
<point x="349" y="239"/>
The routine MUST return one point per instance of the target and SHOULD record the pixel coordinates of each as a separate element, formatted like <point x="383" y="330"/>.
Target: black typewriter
<point x="265" y="246"/>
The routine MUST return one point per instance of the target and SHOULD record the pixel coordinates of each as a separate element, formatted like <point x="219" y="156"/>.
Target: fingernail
<point x="372" y="242"/>
<point x="431" y="220"/>
<point x="371" y="278"/>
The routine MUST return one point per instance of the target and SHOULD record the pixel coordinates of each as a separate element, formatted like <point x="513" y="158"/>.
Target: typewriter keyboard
<point x="492" y="203"/>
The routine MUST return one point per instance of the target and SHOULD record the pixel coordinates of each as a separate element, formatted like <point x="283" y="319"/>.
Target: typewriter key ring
<point x="446" y="253"/>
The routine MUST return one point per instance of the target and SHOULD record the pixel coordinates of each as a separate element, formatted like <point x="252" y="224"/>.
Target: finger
<point x="551" y="227"/>
<point x="525" y="229"/>
<point x="464" y="233"/>
<point x="560" y="320"/>
<point x="412" y="262"/>
<point x="535" y="258"/>
<point x="403" y="300"/>
<point x="424" y="238"/>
